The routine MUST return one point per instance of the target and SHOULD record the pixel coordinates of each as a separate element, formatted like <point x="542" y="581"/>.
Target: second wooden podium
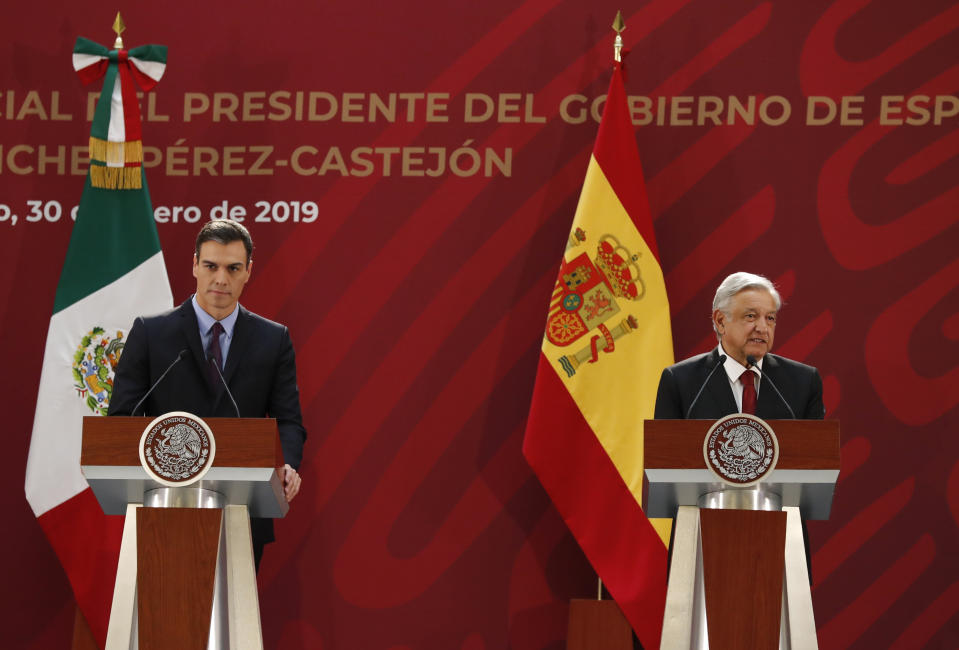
<point x="738" y="575"/>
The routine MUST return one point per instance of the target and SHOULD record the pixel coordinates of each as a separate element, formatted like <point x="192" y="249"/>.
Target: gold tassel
<point x="116" y="178"/>
<point x="132" y="178"/>
<point x="116" y="152"/>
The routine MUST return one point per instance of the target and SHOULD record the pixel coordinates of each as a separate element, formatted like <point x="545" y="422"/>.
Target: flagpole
<point x="618" y="26"/>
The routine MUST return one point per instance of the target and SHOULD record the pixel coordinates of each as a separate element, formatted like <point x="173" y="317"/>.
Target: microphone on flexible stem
<point x="219" y="374"/>
<point x="722" y="360"/>
<point x="181" y="355"/>
<point x="751" y="363"/>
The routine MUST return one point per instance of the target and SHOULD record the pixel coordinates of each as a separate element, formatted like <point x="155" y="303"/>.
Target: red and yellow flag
<point x="607" y="341"/>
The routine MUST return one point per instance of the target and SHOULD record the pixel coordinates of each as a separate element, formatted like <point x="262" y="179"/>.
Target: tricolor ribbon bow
<point x="116" y="147"/>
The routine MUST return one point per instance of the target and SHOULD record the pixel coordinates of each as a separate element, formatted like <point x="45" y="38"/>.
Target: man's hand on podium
<point x="291" y="482"/>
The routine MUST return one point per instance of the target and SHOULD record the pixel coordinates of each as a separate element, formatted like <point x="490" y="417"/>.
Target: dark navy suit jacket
<point x="260" y="371"/>
<point x="800" y="384"/>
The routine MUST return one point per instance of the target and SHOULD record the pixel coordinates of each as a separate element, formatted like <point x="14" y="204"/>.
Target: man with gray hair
<point x="740" y="375"/>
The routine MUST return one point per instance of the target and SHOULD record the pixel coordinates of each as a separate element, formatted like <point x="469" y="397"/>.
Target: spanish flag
<point x="607" y="341"/>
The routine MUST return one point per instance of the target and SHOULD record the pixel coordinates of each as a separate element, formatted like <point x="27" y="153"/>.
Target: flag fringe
<point x="115" y="178"/>
<point x="116" y="152"/>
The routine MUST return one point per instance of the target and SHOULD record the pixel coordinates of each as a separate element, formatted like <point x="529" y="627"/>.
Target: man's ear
<point x="195" y="265"/>
<point x="719" y="321"/>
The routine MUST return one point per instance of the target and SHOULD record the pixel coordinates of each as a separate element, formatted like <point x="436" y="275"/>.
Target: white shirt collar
<point x="734" y="369"/>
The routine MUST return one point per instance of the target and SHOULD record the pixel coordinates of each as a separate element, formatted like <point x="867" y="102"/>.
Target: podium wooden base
<point x="185" y="581"/>
<point x="177" y="552"/>
<point x="738" y="580"/>
<point x="597" y="625"/>
<point x="743" y="557"/>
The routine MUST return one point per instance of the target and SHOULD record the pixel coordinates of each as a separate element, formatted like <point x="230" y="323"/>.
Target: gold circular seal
<point x="177" y="449"/>
<point x="741" y="449"/>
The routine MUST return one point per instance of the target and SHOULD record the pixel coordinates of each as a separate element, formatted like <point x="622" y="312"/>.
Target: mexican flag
<point x="606" y="343"/>
<point x="113" y="272"/>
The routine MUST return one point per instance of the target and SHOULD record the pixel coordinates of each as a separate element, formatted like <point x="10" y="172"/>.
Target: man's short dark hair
<point x="224" y="231"/>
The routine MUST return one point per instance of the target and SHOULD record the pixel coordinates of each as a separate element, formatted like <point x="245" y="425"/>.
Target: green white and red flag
<point x="606" y="343"/>
<point x="113" y="272"/>
<point x="116" y="142"/>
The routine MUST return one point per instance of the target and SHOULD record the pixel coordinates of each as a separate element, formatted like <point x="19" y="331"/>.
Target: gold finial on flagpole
<point x="619" y="25"/>
<point x="118" y="26"/>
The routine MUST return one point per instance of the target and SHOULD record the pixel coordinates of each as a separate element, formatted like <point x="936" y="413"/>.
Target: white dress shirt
<point x="733" y="370"/>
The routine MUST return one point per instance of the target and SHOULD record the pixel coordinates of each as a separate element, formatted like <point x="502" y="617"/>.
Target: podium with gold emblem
<point x="188" y="487"/>
<point x="739" y="489"/>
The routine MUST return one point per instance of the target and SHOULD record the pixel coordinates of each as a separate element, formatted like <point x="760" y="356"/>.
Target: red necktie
<point x="749" y="392"/>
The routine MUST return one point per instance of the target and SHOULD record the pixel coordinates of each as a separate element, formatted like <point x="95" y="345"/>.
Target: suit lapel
<point x="768" y="404"/>
<point x="191" y="332"/>
<point x="720" y="394"/>
<point x="242" y="335"/>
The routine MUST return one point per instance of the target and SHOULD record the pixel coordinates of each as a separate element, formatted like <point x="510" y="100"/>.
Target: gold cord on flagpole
<point x="118" y="26"/>
<point x="619" y="26"/>
<point x="599" y="588"/>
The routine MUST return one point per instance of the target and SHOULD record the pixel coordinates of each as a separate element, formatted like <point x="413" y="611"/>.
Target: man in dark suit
<point x="744" y="317"/>
<point x="745" y="310"/>
<point x="255" y="357"/>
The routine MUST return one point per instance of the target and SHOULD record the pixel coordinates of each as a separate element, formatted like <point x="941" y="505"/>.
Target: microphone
<point x="751" y="363"/>
<point x="219" y="374"/>
<point x="181" y="355"/>
<point x="722" y="360"/>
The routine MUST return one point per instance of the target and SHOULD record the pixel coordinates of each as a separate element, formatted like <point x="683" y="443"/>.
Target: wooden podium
<point x="185" y="578"/>
<point x="738" y="575"/>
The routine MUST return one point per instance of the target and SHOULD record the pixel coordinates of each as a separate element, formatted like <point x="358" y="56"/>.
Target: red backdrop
<point x="414" y="275"/>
